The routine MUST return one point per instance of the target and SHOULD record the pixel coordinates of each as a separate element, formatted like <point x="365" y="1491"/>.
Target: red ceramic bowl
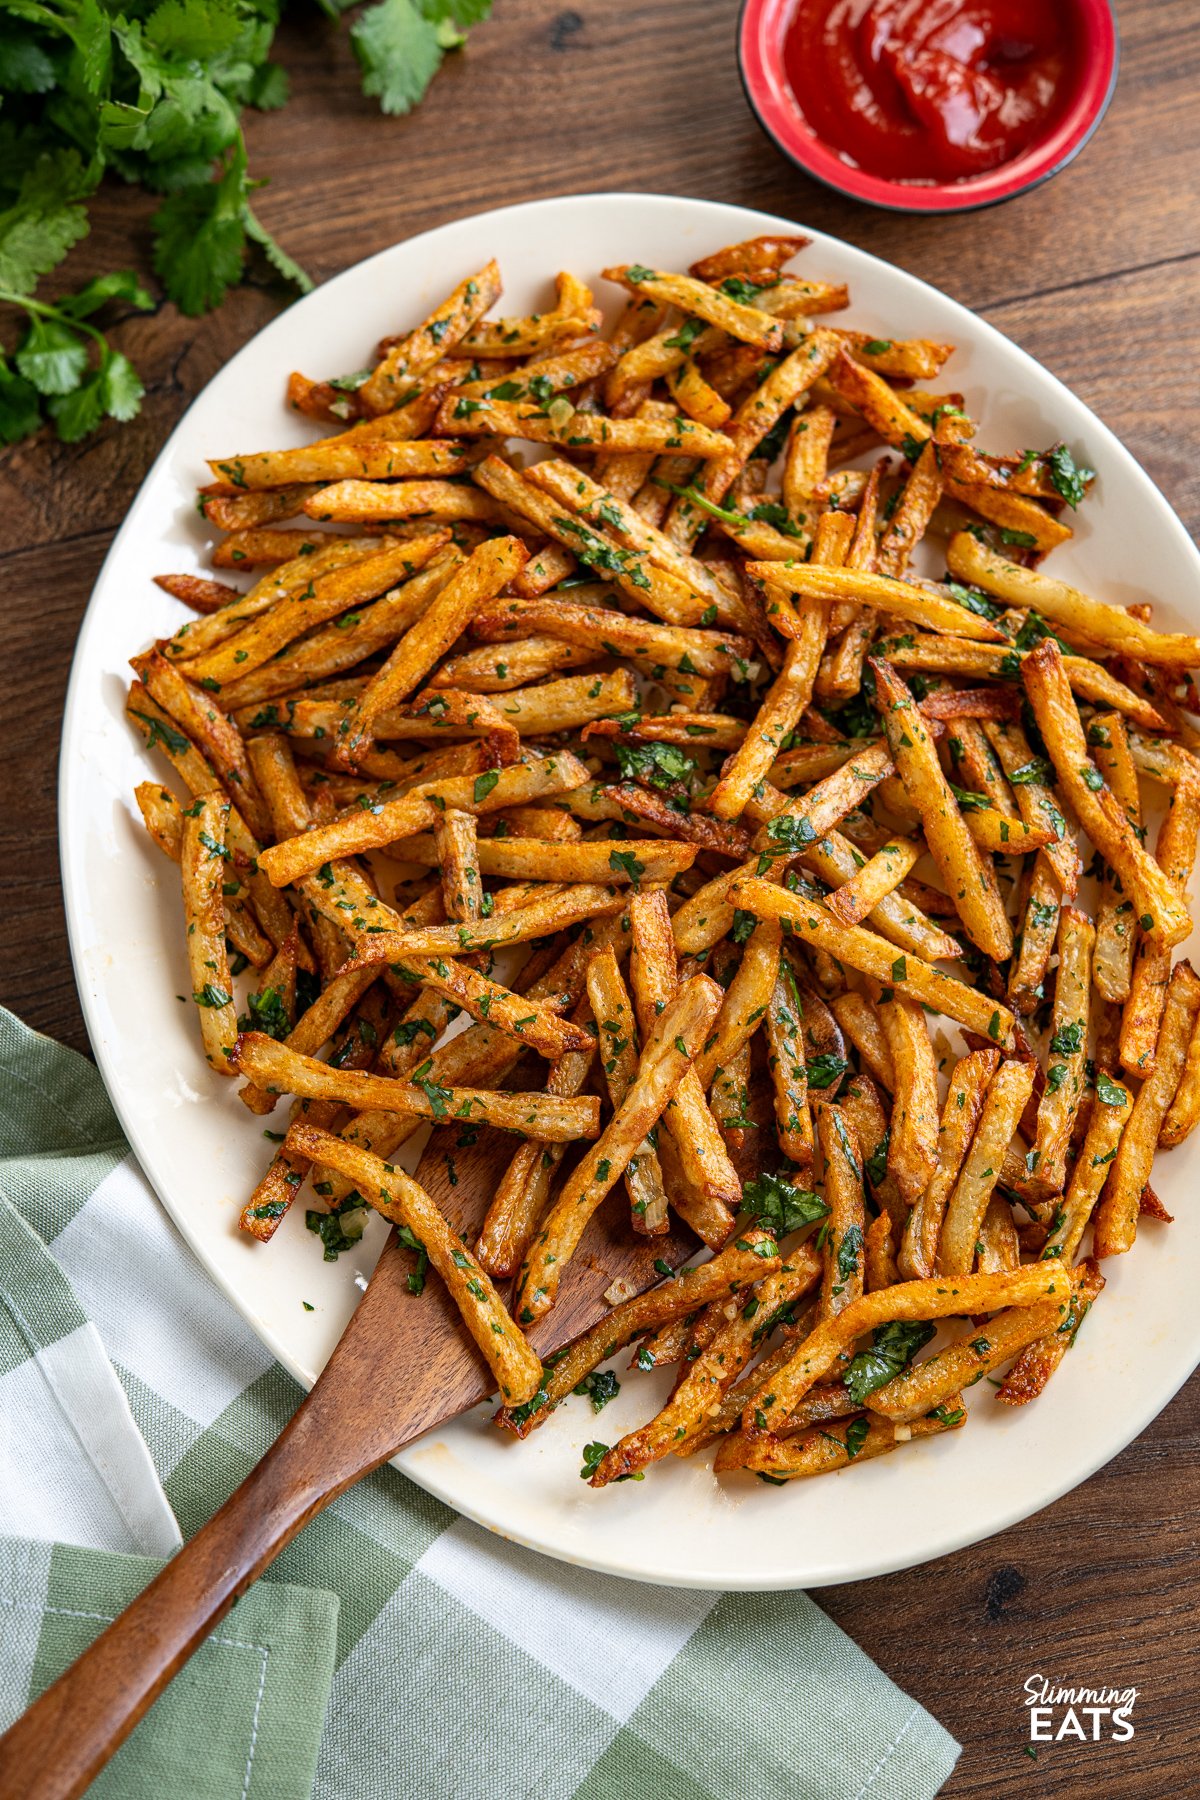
<point x="761" y="31"/>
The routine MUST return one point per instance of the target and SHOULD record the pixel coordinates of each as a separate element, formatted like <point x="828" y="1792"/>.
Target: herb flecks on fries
<point x="685" y="702"/>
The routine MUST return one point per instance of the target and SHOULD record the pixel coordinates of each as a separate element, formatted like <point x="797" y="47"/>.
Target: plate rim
<point x="730" y="1579"/>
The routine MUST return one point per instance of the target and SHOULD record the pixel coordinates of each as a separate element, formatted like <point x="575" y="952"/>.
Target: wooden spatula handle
<point x="69" y="1733"/>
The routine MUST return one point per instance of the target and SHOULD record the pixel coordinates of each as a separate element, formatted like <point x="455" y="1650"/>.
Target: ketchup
<point x="928" y="90"/>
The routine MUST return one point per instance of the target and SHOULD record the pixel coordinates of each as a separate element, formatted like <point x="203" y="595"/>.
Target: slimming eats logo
<point x="1091" y="1714"/>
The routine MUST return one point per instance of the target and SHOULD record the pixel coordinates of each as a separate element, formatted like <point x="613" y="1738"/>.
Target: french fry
<point x="202" y="864"/>
<point x="745" y="1003"/>
<point x="419" y="350"/>
<point x="676" y="647"/>
<point x="612" y="1010"/>
<point x="201" y="595"/>
<point x="909" y="522"/>
<point x="703" y="1184"/>
<point x="1111" y="626"/>
<point x="745" y="323"/>
<point x="929" y="654"/>
<point x="939" y="1298"/>
<point x="913" y="1147"/>
<point x="859" y="1018"/>
<point x="497" y="670"/>
<point x="1108" y="1120"/>
<point x="933" y="1382"/>
<point x="516" y="1367"/>
<point x="857" y="898"/>
<point x="968" y="874"/>
<point x="1161" y="912"/>
<point x="821" y="1451"/>
<point x="670" y="1051"/>
<point x="735" y="1267"/>
<point x="1041" y="897"/>
<point x="1112" y="966"/>
<point x="566" y="907"/>
<point x="842" y="1274"/>
<point x="1117" y="1215"/>
<point x="416" y="811"/>
<point x="334" y="460"/>
<point x="1175" y="852"/>
<point x="1068" y="1052"/>
<point x="918" y="1253"/>
<point x="864" y="951"/>
<point x="812" y="582"/>
<point x="778" y="715"/>
<point x="1035" y="801"/>
<point x="1035" y="1365"/>
<point x="1183" y="1114"/>
<point x="706" y="1381"/>
<point x="277" y="1069"/>
<point x="481" y="578"/>
<point x="1008" y="1092"/>
<point x="784" y="1025"/>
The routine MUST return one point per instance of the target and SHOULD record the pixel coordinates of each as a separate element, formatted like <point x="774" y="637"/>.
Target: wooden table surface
<point x="1095" y="274"/>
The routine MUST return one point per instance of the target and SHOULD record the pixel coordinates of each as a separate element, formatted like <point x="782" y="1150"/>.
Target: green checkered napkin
<point x="393" y="1650"/>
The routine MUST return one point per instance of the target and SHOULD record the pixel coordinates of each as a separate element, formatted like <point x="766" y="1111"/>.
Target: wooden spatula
<point x="403" y="1365"/>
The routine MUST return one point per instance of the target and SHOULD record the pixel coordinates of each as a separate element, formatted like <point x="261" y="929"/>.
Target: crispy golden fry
<point x="1183" y="1114"/>
<point x="1065" y="1073"/>
<point x="1175" y="851"/>
<point x="670" y="1051"/>
<point x="533" y="858"/>
<point x="745" y="1002"/>
<point x="707" y="1380"/>
<point x="1008" y="1092"/>
<point x="1035" y="799"/>
<point x="864" y="951"/>
<point x="759" y="259"/>
<point x="913" y="1147"/>
<point x="812" y="582"/>
<point x="1112" y="968"/>
<point x="967" y="872"/>
<point x="210" y="729"/>
<point x="571" y="316"/>
<point x="1039" y="911"/>
<point x="1117" y="1215"/>
<point x="530" y="1021"/>
<point x="859" y="1018"/>
<point x="649" y="646"/>
<point x="939" y="1298"/>
<point x="337" y="461"/>
<point x="416" y="811"/>
<point x="163" y="818"/>
<point x="842" y="1274"/>
<point x="1012" y="512"/>
<point x="497" y="670"/>
<point x="612" y="1010"/>
<point x="1110" y="626"/>
<point x="910" y="521"/>
<point x="418" y="351"/>
<point x="201" y="595"/>
<point x="857" y="898"/>
<point x="917" y="1257"/>
<point x="277" y="1069"/>
<point x="784" y="1025"/>
<point x="820" y="1452"/>
<point x="1161" y="912"/>
<point x="435" y="502"/>
<point x="202" y="863"/>
<point x="564" y="705"/>
<point x="702" y="1183"/>
<point x="745" y="323"/>
<point x="733" y="1268"/>
<point x="779" y="714"/>
<point x="1109" y="1116"/>
<point x="516" y="1367"/>
<point x="929" y="654"/>
<point x="540" y="917"/>
<point x="1036" y="1364"/>
<point x="485" y="573"/>
<point x="916" y="1393"/>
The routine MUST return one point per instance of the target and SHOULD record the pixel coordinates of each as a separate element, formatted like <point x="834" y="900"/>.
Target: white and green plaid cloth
<point x="393" y="1649"/>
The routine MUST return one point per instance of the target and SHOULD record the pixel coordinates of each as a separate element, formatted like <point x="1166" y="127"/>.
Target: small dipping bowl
<point x="762" y="29"/>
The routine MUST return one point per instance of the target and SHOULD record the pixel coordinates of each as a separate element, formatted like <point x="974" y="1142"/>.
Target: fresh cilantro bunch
<point x="153" y="94"/>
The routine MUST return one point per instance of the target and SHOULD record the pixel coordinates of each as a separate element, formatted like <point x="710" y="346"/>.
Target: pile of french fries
<point x="606" y="655"/>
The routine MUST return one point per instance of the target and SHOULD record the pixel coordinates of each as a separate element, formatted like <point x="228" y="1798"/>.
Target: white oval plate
<point x="204" y="1153"/>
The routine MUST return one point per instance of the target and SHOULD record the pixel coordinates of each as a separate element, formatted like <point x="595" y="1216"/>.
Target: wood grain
<point x="1094" y="273"/>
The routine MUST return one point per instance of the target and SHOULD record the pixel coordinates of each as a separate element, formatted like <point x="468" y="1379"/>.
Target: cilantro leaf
<point x="1069" y="477"/>
<point x="780" y="1206"/>
<point x="893" y="1348"/>
<point x="200" y="240"/>
<point x="399" y="51"/>
<point x="52" y="356"/>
